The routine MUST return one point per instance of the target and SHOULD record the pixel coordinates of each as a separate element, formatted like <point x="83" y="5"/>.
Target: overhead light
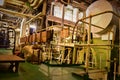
<point x="1" y="2"/>
<point x="33" y="26"/>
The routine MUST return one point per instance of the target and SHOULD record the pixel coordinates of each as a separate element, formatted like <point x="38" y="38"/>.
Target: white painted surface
<point x="101" y="20"/>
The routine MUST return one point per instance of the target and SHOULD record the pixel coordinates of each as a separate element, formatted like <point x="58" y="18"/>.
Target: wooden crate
<point x="38" y="37"/>
<point x="22" y="39"/>
<point x="27" y="39"/>
<point x="30" y="39"/>
<point x="44" y="36"/>
<point x="33" y="37"/>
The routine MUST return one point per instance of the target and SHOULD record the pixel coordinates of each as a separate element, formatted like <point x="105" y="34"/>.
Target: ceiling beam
<point x="9" y="21"/>
<point x="81" y="5"/>
<point x="38" y="15"/>
<point x="16" y="2"/>
<point x="17" y="14"/>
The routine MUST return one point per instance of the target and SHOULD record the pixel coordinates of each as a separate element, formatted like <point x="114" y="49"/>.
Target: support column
<point x="119" y="49"/>
<point x="88" y="47"/>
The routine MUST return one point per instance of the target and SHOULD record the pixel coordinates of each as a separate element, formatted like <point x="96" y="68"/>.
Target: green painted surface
<point x="101" y="52"/>
<point x="27" y="71"/>
<point x="5" y="51"/>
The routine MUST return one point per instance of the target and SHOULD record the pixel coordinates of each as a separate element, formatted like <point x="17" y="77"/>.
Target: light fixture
<point x="1" y="2"/>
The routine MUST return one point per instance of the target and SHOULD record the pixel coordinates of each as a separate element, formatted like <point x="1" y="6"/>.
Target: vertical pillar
<point x="88" y="47"/>
<point x="119" y="49"/>
<point x="108" y="51"/>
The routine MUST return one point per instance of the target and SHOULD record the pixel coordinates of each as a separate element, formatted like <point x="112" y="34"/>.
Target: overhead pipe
<point x="18" y="1"/>
<point x="17" y="13"/>
<point x="44" y="7"/>
<point x="15" y="2"/>
<point x="30" y="1"/>
<point x="39" y="14"/>
<point x="39" y="3"/>
<point x="35" y="2"/>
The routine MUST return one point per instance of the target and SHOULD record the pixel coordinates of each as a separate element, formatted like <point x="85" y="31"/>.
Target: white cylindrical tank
<point x="102" y="20"/>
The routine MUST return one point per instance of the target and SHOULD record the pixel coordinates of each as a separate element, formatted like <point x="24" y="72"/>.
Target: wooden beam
<point x="81" y="5"/>
<point x="17" y="13"/>
<point x="38" y="15"/>
<point x="16" y="2"/>
<point x="44" y="7"/>
<point x="9" y="21"/>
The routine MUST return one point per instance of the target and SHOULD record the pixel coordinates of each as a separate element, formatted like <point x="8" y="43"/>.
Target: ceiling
<point x="13" y="11"/>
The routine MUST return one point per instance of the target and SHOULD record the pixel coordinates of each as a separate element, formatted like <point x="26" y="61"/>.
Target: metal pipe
<point x="94" y="45"/>
<point x="93" y="16"/>
<point x="30" y="1"/>
<point x="100" y="14"/>
<point x="16" y="2"/>
<point x="108" y="51"/>
<point x="44" y="6"/>
<point x="17" y="13"/>
<point x="34" y="3"/>
<point x="92" y="24"/>
<point x="114" y="77"/>
<point x="38" y="4"/>
<point x="88" y="51"/>
<point x="39" y="14"/>
<point x="119" y="49"/>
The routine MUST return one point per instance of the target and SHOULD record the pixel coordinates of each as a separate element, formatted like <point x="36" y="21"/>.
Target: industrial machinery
<point x="88" y="41"/>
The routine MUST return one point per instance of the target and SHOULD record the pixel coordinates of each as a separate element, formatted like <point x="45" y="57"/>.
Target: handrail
<point x="91" y="17"/>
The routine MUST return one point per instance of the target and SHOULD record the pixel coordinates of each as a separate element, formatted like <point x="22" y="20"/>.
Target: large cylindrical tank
<point x="106" y="20"/>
